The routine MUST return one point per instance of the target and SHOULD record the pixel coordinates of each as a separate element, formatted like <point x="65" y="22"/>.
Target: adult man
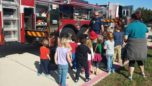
<point x="96" y="23"/>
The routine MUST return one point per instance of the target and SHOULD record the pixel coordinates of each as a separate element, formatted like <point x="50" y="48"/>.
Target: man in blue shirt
<point x="96" y="23"/>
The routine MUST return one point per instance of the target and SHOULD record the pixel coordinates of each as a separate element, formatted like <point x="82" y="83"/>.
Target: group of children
<point x="83" y="54"/>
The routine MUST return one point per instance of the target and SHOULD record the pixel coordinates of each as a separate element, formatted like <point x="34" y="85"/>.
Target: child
<point x="109" y="46"/>
<point x="90" y="56"/>
<point x="73" y="45"/>
<point x="62" y="58"/>
<point x="97" y="53"/>
<point x="118" y="39"/>
<point x="82" y="58"/>
<point x="44" y="57"/>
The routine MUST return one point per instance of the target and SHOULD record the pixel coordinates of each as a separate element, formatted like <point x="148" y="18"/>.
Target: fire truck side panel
<point x="1" y="33"/>
<point x="84" y="22"/>
<point x="28" y="2"/>
<point x="75" y="23"/>
<point x="65" y="22"/>
<point x="25" y="4"/>
<point x="22" y="32"/>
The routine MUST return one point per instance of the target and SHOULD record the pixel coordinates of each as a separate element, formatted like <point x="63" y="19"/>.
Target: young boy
<point x="118" y="39"/>
<point x="82" y="58"/>
<point x="44" y="57"/>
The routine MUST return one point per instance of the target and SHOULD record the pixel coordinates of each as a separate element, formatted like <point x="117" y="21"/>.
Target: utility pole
<point x="108" y="10"/>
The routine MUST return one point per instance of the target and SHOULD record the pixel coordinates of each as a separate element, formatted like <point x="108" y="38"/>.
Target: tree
<point x="146" y="14"/>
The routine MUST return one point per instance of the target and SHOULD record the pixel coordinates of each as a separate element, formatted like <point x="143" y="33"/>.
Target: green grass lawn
<point x="120" y="78"/>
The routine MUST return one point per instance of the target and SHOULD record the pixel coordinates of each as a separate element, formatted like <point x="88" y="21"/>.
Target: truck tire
<point x="67" y="30"/>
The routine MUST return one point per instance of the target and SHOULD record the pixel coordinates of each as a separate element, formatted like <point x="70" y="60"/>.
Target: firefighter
<point x="96" y="23"/>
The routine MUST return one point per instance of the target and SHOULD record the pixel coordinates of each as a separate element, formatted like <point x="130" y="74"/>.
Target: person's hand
<point x="124" y="44"/>
<point x="71" y="64"/>
<point x="49" y="59"/>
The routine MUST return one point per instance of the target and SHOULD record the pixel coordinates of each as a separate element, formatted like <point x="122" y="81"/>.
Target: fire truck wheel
<point x="67" y="30"/>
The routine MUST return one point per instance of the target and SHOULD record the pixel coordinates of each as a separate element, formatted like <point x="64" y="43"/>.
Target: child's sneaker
<point x="143" y="74"/>
<point x="48" y="76"/>
<point x="87" y="80"/>
<point x="113" y="71"/>
<point x="38" y="74"/>
<point x="130" y="78"/>
<point x="109" y="72"/>
<point x="76" y="80"/>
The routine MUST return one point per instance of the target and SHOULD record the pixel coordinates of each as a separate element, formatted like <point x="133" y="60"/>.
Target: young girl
<point x="62" y="57"/>
<point x="97" y="53"/>
<point x="90" y="56"/>
<point x="44" y="57"/>
<point x="109" y="46"/>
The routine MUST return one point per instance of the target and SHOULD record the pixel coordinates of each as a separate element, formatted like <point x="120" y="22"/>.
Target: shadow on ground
<point x="122" y="71"/>
<point x="52" y="68"/>
<point x="16" y="48"/>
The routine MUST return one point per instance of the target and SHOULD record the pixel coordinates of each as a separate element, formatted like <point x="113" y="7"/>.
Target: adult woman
<point x="135" y="34"/>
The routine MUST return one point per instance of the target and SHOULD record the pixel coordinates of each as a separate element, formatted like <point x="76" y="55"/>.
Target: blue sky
<point x="135" y="3"/>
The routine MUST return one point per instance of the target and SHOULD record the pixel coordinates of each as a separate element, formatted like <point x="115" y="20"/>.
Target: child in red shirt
<point x="73" y="45"/>
<point x="44" y="57"/>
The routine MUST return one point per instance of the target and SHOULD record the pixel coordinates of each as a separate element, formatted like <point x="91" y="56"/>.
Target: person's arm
<point x="69" y="59"/>
<point x="105" y="45"/>
<point x="102" y="28"/>
<point x="92" y="53"/>
<point x="147" y="34"/>
<point x="48" y="55"/>
<point x="126" y="33"/>
<point x="125" y="38"/>
<point x="68" y="46"/>
<point x="55" y="57"/>
<point x="89" y="51"/>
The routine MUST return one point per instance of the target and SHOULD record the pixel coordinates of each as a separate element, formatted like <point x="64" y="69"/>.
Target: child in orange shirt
<point x="44" y="57"/>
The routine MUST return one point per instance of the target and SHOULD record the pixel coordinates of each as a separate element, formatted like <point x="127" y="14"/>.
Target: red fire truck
<point x="29" y="20"/>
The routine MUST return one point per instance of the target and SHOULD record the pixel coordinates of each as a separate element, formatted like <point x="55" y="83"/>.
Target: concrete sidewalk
<point x="20" y="70"/>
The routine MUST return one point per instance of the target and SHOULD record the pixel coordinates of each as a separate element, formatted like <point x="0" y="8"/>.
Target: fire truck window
<point x="82" y="13"/>
<point x="66" y="11"/>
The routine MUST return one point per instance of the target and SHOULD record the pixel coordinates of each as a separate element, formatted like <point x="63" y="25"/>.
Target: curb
<point x="99" y="77"/>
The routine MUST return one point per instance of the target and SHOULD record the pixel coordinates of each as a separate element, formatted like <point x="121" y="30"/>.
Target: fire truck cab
<point x="29" y="20"/>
